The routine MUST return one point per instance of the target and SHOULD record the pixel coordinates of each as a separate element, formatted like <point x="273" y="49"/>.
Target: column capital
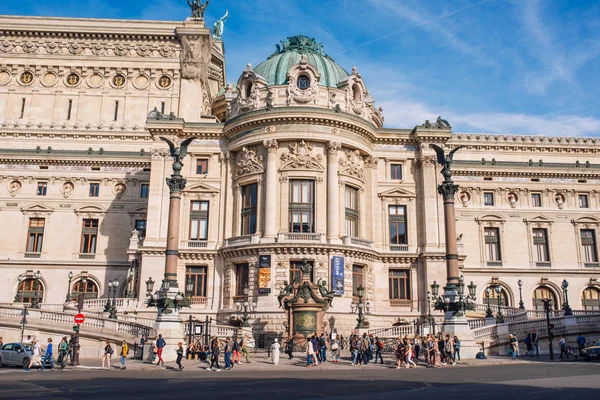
<point x="271" y="145"/>
<point x="176" y="183"/>
<point x="333" y="147"/>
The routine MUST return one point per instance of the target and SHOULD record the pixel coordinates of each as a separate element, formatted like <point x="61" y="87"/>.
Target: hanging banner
<point x="264" y="274"/>
<point x="337" y="275"/>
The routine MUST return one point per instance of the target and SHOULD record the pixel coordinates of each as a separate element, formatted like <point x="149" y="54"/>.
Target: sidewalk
<point x="261" y="362"/>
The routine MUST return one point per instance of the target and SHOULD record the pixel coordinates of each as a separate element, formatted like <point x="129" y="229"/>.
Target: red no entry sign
<point x="79" y="318"/>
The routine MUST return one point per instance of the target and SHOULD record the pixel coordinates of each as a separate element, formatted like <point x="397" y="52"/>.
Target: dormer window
<point x="355" y="92"/>
<point x="249" y="87"/>
<point x="303" y="82"/>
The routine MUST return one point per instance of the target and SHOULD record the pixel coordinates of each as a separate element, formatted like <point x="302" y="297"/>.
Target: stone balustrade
<point x="393" y="332"/>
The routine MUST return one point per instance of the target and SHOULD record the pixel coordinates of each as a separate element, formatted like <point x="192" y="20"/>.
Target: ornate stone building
<point x="292" y="162"/>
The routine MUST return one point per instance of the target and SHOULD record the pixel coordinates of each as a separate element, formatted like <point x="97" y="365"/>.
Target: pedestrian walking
<point x="143" y="341"/>
<point x="417" y="347"/>
<point x="354" y="349"/>
<point x="179" y="356"/>
<point x="535" y="342"/>
<point x="36" y="355"/>
<point x="48" y="356"/>
<point x="310" y="354"/>
<point x="154" y="352"/>
<point x="365" y="345"/>
<point x="580" y="343"/>
<point x="237" y="357"/>
<point x="63" y="347"/>
<point x="106" y="355"/>
<point x="399" y="353"/>
<point x="435" y="353"/>
<point x="449" y="349"/>
<point x="244" y="348"/>
<point x="289" y="348"/>
<point x="160" y="345"/>
<point x="378" y="349"/>
<point x="409" y="354"/>
<point x="227" y="351"/>
<point x="70" y="349"/>
<point x="275" y="352"/>
<point x="456" y="349"/>
<point x="124" y="353"/>
<point x="563" y="347"/>
<point x="323" y="348"/>
<point x="528" y="345"/>
<point x="214" y="357"/>
<point x="335" y="351"/>
<point x="514" y="345"/>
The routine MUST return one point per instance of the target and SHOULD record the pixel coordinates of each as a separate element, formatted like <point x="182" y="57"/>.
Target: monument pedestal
<point x="459" y="327"/>
<point x="171" y="330"/>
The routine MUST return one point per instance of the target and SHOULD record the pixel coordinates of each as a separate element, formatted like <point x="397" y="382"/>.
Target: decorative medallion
<point x="72" y="79"/>
<point x="49" y="79"/>
<point x="119" y="189"/>
<point x="248" y="162"/>
<point x="144" y="51"/>
<point x="75" y="48"/>
<point x="26" y="78"/>
<point x="29" y="47"/>
<point x="67" y="189"/>
<point x="14" y="187"/>
<point x="300" y="156"/>
<point x="97" y="49"/>
<point x="121" y="50"/>
<point x="559" y="199"/>
<point x="464" y="198"/>
<point x="6" y="46"/>
<point x="52" y="47"/>
<point x="166" y="51"/>
<point x="95" y="80"/>
<point x="4" y="77"/>
<point x="141" y="82"/>
<point x="118" y="80"/>
<point x="512" y="198"/>
<point x="164" y="82"/>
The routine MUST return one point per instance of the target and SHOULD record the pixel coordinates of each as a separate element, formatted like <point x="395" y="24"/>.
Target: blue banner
<point x="337" y="275"/>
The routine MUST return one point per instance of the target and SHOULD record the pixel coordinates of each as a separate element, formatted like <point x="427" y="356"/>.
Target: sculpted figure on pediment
<point x="300" y="156"/>
<point x="353" y="165"/>
<point x="248" y="162"/>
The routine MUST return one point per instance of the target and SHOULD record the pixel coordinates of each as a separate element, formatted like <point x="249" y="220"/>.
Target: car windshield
<point x="28" y="347"/>
<point x="597" y="343"/>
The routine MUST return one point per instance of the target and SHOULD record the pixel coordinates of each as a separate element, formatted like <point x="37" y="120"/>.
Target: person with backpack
<point x="378" y="349"/>
<point x="108" y="352"/>
<point x="179" y="356"/>
<point x="124" y="353"/>
<point x="323" y="348"/>
<point x="580" y="343"/>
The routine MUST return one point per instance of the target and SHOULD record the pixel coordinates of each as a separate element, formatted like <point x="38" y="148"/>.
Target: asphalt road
<point x="507" y="382"/>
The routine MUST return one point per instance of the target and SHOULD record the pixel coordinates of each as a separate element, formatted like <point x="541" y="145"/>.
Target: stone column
<point x="270" y="231"/>
<point x="448" y="190"/>
<point x="176" y="184"/>
<point x="333" y="199"/>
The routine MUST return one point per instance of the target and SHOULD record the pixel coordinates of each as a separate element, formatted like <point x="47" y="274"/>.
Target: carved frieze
<point x="300" y="156"/>
<point x="353" y="165"/>
<point x="248" y="162"/>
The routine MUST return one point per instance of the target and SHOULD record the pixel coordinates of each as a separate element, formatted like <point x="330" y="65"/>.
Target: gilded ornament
<point x="164" y="82"/>
<point x="72" y="79"/>
<point x="118" y="80"/>
<point x="26" y="78"/>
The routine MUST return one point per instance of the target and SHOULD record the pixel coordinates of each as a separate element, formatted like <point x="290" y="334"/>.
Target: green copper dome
<point x="288" y="54"/>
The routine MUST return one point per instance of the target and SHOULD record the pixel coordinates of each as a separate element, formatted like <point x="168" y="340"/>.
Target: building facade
<point x="290" y="163"/>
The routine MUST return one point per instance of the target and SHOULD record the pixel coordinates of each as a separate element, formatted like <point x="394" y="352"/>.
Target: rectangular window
<point x="357" y="278"/>
<point x="89" y="236"/>
<point x="399" y="285"/>
<point x="351" y="211"/>
<point x="492" y="244"/>
<point x="397" y="222"/>
<point x="22" y="108"/>
<point x="116" y="110"/>
<point x="588" y="245"/>
<point x="69" y="109"/>
<point x="242" y="277"/>
<point x="201" y="166"/>
<point x="396" y="171"/>
<point x="249" y="202"/>
<point x="162" y="107"/>
<point x="302" y="207"/>
<point x="296" y="272"/>
<point x="583" y="201"/>
<point x="536" y="200"/>
<point x="540" y="244"/>
<point x="140" y="226"/>
<point x="145" y="191"/>
<point x="94" y="189"/>
<point x="42" y="187"/>
<point x="488" y="199"/>
<point x="197" y="274"/>
<point x="199" y="220"/>
<point x="35" y="235"/>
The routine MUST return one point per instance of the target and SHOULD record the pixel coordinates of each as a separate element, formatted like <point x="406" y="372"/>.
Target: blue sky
<point x="499" y="66"/>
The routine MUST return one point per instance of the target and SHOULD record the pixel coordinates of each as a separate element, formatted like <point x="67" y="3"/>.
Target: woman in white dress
<point x="275" y="352"/>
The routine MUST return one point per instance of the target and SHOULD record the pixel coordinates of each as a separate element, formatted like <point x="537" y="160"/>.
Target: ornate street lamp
<point x="499" y="315"/>
<point x="20" y="279"/>
<point x="488" y="312"/>
<point x="360" y="307"/>
<point x="35" y="302"/>
<point x="566" y="307"/>
<point x="110" y="289"/>
<point x="113" y="308"/>
<point x="521" y="303"/>
<point x="245" y="306"/>
<point x="68" y="298"/>
<point x="149" y="286"/>
<point x="472" y="291"/>
<point x="189" y="288"/>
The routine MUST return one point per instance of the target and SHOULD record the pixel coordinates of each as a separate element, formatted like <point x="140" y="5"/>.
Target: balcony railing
<point x="312" y="237"/>
<point x="239" y="240"/>
<point x="401" y="303"/>
<point x="32" y="255"/>
<point x="543" y="264"/>
<point x="399" y="247"/>
<point x="87" y="256"/>
<point x="494" y="263"/>
<point x="198" y="300"/>
<point x="196" y="243"/>
<point x="592" y="265"/>
<point x="360" y="242"/>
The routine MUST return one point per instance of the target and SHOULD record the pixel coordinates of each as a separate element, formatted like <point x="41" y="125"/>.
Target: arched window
<point x="590" y="300"/>
<point x="494" y="297"/>
<point x="27" y="289"/>
<point x="542" y="293"/>
<point x="355" y="92"/>
<point x="249" y="87"/>
<point x="89" y="289"/>
<point x="303" y="82"/>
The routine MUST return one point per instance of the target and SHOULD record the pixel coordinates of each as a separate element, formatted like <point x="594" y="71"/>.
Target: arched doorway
<point x="541" y="293"/>
<point x="27" y="289"/>
<point x="89" y="289"/>
<point x="590" y="299"/>
<point x="504" y="299"/>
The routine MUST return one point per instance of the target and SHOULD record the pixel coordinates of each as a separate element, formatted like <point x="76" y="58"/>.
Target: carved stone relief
<point x="353" y="165"/>
<point x="248" y="162"/>
<point x="300" y="156"/>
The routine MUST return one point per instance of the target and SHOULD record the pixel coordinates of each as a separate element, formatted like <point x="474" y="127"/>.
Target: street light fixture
<point x="113" y="308"/>
<point x="149" y="286"/>
<point x="488" y="312"/>
<point x="566" y="307"/>
<point x="245" y="306"/>
<point x="499" y="315"/>
<point x="521" y="303"/>
<point x="68" y="298"/>
<point x="360" y="307"/>
<point x="110" y="289"/>
<point x="20" y="279"/>
<point x="35" y="302"/>
<point x="189" y="287"/>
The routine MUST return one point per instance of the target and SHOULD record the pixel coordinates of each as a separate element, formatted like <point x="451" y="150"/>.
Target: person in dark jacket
<point x="179" y="355"/>
<point x="214" y="358"/>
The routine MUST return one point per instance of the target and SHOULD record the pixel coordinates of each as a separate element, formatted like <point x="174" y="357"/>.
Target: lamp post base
<point x="459" y="327"/>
